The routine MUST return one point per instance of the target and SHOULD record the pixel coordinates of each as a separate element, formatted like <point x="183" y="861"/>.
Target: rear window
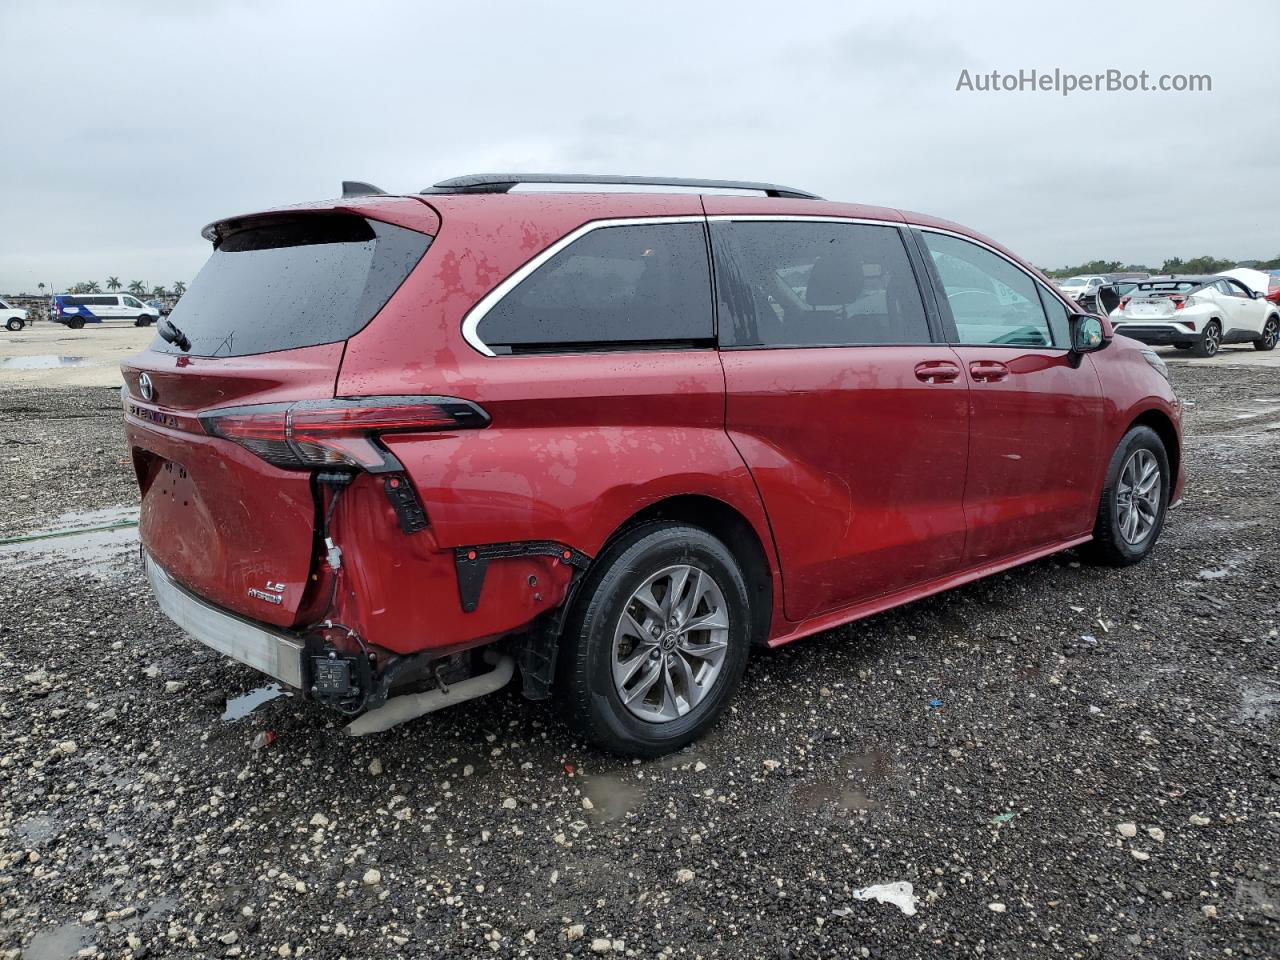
<point x="1165" y="287"/>
<point x="295" y="282"/>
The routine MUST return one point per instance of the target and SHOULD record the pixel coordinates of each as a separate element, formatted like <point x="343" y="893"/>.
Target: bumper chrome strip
<point x="276" y="654"/>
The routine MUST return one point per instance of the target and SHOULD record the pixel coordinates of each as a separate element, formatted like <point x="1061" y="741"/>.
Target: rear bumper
<point x="1156" y="334"/>
<point x="276" y="654"/>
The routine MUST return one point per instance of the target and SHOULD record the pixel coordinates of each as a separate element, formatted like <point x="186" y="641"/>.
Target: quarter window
<point x="991" y="300"/>
<point x="801" y="283"/>
<point x="615" y="287"/>
<point x="1057" y="314"/>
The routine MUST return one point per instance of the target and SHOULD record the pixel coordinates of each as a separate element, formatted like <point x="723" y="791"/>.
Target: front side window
<point x="619" y="287"/>
<point x="991" y="300"/>
<point x="815" y="283"/>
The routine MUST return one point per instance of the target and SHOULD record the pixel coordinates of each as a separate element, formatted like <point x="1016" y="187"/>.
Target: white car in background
<point x="15" y="318"/>
<point x="1197" y="313"/>
<point x="1081" y="287"/>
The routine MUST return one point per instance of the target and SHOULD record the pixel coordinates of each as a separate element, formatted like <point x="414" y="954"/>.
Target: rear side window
<point x="293" y="282"/>
<point x="991" y="300"/>
<point x="613" y="288"/>
<point x="788" y="284"/>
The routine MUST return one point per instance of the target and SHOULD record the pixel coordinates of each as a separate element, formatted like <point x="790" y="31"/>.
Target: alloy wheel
<point x="670" y="643"/>
<point x="1138" y="496"/>
<point x="1270" y="334"/>
<point x="1212" y="337"/>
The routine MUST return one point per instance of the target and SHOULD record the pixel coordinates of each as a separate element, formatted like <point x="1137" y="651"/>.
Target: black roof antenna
<point x="358" y="188"/>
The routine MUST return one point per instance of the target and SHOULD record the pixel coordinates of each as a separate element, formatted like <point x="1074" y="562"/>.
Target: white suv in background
<point x="1198" y="314"/>
<point x="1080" y="287"/>
<point x="15" y="318"/>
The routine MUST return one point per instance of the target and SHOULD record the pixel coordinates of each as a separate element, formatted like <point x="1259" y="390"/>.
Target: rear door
<point x="267" y="319"/>
<point x="852" y="418"/>
<point x="1036" y="415"/>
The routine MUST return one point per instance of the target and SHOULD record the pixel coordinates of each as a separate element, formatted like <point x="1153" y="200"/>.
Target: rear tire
<point x="14" y="324"/>
<point x="1131" y="516"/>
<point x="1211" y="342"/>
<point x="626" y="638"/>
<point x="1270" y="334"/>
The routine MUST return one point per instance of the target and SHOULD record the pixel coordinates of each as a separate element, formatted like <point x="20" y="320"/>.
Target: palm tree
<point x="91" y="287"/>
<point x="40" y="287"/>
<point x="137" y="287"/>
<point x="179" y="288"/>
<point x="159" y="291"/>
<point x="113" y="283"/>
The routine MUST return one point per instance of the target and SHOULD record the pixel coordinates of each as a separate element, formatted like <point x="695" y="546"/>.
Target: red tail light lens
<point x="1124" y="302"/>
<point x="1178" y="302"/>
<point x="338" y="433"/>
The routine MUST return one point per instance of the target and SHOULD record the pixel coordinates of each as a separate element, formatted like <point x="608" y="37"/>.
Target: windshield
<point x="295" y="282"/>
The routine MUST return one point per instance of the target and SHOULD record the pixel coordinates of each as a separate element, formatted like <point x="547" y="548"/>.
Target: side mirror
<point x="1086" y="333"/>
<point x="1257" y="294"/>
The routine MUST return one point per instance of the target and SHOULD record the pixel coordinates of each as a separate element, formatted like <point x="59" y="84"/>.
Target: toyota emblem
<point x="145" y="387"/>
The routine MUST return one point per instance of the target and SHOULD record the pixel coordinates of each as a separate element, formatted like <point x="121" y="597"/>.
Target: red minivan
<point x="611" y="433"/>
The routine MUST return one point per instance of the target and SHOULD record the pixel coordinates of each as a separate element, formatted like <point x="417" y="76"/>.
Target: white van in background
<point x="77" y="309"/>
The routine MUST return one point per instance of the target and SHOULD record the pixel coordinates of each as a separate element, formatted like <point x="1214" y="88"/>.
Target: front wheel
<point x="657" y="642"/>
<point x="75" y="324"/>
<point x="143" y="321"/>
<point x="1134" y="499"/>
<point x="1270" y="334"/>
<point x="1210" y="342"/>
<point x="14" y="324"/>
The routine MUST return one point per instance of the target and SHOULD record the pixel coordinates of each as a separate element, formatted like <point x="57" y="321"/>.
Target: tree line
<point x="137" y="287"/>
<point x="1172" y="265"/>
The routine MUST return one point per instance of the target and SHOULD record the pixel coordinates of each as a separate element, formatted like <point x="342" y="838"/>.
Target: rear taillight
<point x="1124" y="302"/>
<point x="1178" y="302"/>
<point x="338" y="433"/>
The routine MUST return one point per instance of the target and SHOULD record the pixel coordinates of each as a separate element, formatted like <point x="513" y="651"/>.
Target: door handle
<point x="937" y="371"/>
<point x="988" y="371"/>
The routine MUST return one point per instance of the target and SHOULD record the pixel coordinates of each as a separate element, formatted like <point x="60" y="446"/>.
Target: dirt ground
<point x="1061" y="760"/>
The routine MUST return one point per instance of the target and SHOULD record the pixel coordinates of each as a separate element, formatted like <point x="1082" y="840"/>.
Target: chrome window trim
<point x="471" y="322"/>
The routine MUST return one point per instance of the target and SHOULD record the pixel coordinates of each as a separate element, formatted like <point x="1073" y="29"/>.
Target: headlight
<point x="1160" y="366"/>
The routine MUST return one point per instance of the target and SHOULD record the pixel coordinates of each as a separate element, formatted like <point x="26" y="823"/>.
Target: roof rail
<point x="503" y="182"/>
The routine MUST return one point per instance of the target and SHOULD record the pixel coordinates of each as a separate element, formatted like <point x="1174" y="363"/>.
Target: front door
<point x="1036" y="412"/>
<point x="849" y="412"/>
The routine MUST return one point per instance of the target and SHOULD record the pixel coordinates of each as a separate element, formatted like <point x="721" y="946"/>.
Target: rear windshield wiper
<point x="171" y="334"/>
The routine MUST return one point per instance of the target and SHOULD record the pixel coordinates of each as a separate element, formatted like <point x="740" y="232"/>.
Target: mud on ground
<point x="1060" y="760"/>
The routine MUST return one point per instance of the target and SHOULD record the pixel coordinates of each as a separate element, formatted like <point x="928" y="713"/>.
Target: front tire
<point x="1211" y="342"/>
<point x="1135" y="499"/>
<point x="1270" y="334"/>
<point x="657" y="641"/>
<point x="75" y="324"/>
<point x="142" y="321"/>
<point x="14" y="324"/>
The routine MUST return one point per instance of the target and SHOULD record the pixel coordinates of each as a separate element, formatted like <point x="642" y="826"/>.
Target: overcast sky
<point x="128" y="125"/>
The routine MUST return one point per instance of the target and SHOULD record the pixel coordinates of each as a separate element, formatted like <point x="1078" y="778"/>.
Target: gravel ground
<point x="1060" y="760"/>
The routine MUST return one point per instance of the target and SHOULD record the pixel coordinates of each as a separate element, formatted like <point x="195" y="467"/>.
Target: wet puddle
<point x="60" y="943"/>
<point x="849" y="793"/>
<point x="1258" y="703"/>
<point x="240" y="707"/>
<point x="612" y="797"/>
<point x="92" y="540"/>
<point x="36" y="830"/>
<point x="43" y="361"/>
